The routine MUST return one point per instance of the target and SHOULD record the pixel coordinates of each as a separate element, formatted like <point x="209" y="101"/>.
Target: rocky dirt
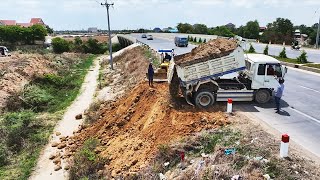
<point x="212" y="49"/>
<point x="131" y="129"/>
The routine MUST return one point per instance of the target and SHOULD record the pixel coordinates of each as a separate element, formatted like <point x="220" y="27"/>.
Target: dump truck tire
<point x="204" y="99"/>
<point x="262" y="96"/>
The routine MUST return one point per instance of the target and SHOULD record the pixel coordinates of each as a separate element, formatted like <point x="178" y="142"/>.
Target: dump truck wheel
<point x="262" y="96"/>
<point x="204" y="99"/>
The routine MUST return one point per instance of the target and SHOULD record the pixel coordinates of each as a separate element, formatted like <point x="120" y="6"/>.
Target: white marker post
<point x="284" y="147"/>
<point x="229" y="106"/>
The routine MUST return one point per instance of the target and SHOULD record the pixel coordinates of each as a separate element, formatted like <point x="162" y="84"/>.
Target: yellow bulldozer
<point x="160" y="74"/>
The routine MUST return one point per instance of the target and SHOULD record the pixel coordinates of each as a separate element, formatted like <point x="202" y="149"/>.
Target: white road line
<point x="306" y="115"/>
<point x="310" y="89"/>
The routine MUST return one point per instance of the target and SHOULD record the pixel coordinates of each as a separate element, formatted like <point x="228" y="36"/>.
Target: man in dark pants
<point x="278" y="95"/>
<point x="150" y="75"/>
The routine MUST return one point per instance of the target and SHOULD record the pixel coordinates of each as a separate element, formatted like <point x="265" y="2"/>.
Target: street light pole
<point x="317" y="40"/>
<point x="110" y="43"/>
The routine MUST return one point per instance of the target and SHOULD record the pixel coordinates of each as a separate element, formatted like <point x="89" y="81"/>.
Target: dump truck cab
<point x="264" y="71"/>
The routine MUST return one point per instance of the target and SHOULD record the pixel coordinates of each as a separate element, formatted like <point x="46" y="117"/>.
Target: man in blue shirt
<point x="278" y="94"/>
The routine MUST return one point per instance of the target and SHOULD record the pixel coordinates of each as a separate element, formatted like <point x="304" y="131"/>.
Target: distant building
<point x="1" y="24"/>
<point x="35" y="21"/>
<point x="24" y="24"/>
<point x="157" y="30"/>
<point x="93" y="30"/>
<point x="230" y="26"/>
<point x="32" y="22"/>
<point x="261" y="30"/>
<point x="8" y="22"/>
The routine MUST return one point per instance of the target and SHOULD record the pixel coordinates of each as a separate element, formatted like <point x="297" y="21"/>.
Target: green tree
<point x="266" y="50"/>
<point x="195" y="39"/>
<point x="77" y="45"/>
<point x="205" y="41"/>
<point x="185" y="28"/>
<point x="94" y="47"/>
<point x="200" y="40"/>
<point x="221" y="31"/>
<point x="200" y="29"/>
<point x="303" y="57"/>
<point x="283" y="53"/>
<point x="60" y="45"/>
<point x="251" y="30"/>
<point x="279" y="31"/>
<point x="49" y="29"/>
<point x="251" y="49"/>
<point x="39" y="32"/>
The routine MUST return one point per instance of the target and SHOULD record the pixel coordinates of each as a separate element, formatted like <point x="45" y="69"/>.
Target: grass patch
<point x="289" y="60"/>
<point x="32" y="115"/>
<point x="155" y="60"/>
<point x="313" y="65"/>
<point x="86" y="162"/>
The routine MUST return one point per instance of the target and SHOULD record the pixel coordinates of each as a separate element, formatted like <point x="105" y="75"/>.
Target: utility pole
<point x="110" y="43"/>
<point x="317" y="40"/>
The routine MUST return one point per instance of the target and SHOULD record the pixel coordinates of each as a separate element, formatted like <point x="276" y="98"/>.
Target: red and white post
<point x="229" y="106"/>
<point x="284" y="147"/>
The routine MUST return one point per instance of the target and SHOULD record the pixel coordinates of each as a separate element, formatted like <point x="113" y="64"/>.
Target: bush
<point x="266" y="50"/>
<point x="86" y="162"/>
<point x="205" y="41"/>
<point x="195" y="39"/>
<point x="303" y="57"/>
<point x="251" y="49"/>
<point x="60" y="45"/>
<point x="36" y="98"/>
<point x="283" y="53"/>
<point x="94" y="47"/>
<point x="3" y="155"/>
<point x="17" y="128"/>
<point x="116" y="47"/>
<point x="200" y="40"/>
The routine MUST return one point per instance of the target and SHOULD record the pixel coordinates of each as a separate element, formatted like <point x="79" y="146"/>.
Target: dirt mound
<point x="131" y="129"/>
<point x="213" y="49"/>
<point x="19" y="69"/>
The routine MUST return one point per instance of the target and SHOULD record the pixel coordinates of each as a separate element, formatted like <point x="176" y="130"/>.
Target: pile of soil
<point x="213" y="49"/>
<point x="131" y="129"/>
<point x="19" y="69"/>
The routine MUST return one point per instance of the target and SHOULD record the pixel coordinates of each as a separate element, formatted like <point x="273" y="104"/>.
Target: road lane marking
<point x="310" y="89"/>
<point x="306" y="115"/>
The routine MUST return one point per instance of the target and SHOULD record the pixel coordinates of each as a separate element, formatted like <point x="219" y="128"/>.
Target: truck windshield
<point x="183" y="39"/>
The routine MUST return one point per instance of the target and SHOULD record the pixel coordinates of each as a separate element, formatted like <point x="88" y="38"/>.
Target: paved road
<point x="313" y="55"/>
<point x="162" y="43"/>
<point x="300" y="117"/>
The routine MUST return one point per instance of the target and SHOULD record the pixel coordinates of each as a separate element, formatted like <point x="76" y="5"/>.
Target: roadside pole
<point x="109" y="31"/>
<point x="317" y="40"/>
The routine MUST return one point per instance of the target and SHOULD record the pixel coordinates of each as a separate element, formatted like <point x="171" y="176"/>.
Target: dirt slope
<point x="131" y="129"/>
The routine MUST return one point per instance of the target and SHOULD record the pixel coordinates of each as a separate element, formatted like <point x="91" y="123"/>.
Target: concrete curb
<point x="300" y="66"/>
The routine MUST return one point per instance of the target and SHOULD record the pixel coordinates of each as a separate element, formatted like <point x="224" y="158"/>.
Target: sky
<point x="134" y="14"/>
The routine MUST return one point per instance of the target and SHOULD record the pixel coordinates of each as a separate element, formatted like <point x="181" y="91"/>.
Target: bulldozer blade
<point x="158" y="77"/>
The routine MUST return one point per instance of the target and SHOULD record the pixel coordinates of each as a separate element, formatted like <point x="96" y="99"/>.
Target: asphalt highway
<point x="300" y="115"/>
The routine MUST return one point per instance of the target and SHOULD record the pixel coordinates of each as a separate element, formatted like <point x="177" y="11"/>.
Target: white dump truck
<point x="232" y="75"/>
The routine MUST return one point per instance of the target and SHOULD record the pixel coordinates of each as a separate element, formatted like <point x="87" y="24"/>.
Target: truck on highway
<point x="181" y="41"/>
<point x="232" y="74"/>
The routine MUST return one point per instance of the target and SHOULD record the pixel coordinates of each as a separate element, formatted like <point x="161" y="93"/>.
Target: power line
<point x="107" y="5"/>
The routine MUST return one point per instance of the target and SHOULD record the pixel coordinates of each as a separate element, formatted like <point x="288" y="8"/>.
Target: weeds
<point x="86" y="162"/>
<point x="36" y="108"/>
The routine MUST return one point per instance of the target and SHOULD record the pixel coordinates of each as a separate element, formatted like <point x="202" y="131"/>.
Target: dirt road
<point x="45" y="167"/>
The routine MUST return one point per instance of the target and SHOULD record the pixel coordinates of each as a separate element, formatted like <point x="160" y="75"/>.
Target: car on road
<point x="143" y="36"/>
<point x="181" y="41"/>
<point x="150" y="37"/>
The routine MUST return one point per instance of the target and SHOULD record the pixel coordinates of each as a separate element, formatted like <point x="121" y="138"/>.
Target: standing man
<point x="150" y="74"/>
<point x="279" y="94"/>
